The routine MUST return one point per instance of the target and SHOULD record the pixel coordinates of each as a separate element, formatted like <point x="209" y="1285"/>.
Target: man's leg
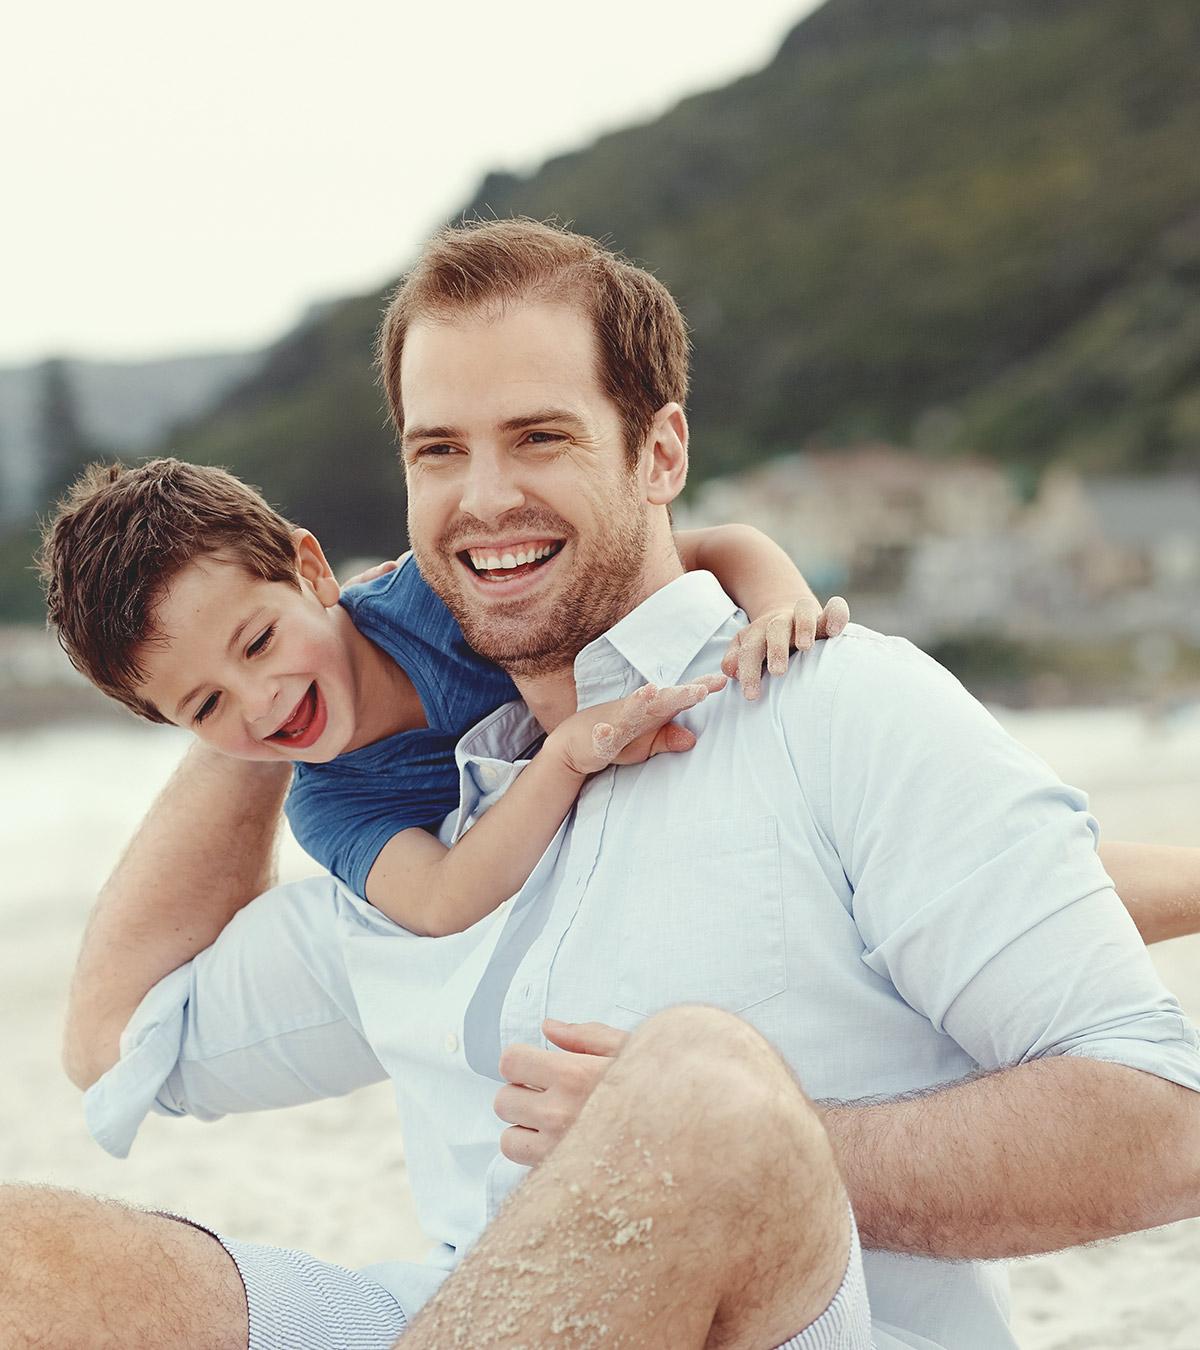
<point x="695" y="1202"/>
<point x="86" y="1273"/>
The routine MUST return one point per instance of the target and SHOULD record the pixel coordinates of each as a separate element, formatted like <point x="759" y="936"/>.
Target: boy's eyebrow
<point x="234" y="638"/>
<point x="448" y="433"/>
<point x="186" y="699"/>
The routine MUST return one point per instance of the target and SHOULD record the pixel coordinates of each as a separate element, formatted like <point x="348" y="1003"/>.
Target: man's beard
<point x="539" y="637"/>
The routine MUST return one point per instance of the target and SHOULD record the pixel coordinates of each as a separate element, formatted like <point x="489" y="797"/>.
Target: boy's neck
<point x="386" y="700"/>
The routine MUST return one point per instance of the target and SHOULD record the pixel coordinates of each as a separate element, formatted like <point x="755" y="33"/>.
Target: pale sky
<point x="188" y="178"/>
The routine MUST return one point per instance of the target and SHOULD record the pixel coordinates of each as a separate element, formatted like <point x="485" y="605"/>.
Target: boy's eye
<point x="208" y="706"/>
<point x="262" y="641"/>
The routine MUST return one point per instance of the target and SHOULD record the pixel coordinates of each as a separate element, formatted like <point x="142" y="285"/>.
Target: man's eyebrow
<point x="234" y="638"/>
<point x="563" y="415"/>
<point x="446" y="433"/>
<point x="431" y="434"/>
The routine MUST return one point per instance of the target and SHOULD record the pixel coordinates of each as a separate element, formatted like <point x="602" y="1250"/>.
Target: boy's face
<point x="256" y="669"/>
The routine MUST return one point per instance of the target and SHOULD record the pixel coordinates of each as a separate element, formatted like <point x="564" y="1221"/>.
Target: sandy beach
<point x="331" y="1177"/>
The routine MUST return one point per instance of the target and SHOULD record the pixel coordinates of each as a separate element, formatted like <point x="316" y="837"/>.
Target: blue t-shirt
<point x="343" y="812"/>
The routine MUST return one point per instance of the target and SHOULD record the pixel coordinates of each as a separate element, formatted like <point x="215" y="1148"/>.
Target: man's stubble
<point x="529" y="639"/>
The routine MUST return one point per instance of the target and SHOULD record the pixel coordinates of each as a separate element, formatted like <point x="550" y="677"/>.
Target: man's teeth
<point x="482" y="561"/>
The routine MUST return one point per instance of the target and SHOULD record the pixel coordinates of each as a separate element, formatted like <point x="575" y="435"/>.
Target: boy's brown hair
<point x="641" y="334"/>
<point x="118" y="537"/>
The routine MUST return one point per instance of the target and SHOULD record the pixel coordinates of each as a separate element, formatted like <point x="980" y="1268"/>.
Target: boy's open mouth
<point x="305" y="723"/>
<point x="511" y="560"/>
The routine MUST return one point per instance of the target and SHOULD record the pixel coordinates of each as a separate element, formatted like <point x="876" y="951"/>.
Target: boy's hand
<point x="630" y="730"/>
<point x="379" y="570"/>
<point x="773" y="636"/>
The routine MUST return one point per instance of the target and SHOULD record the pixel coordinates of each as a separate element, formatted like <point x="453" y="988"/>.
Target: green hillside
<point x="955" y="224"/>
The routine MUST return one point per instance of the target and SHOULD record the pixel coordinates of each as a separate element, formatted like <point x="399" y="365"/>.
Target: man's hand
<point x="546" y="1089"/>
<point x="772" y="637"/>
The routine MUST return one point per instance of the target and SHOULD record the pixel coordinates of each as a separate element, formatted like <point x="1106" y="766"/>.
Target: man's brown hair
<point x="640" y="332"/>
<point x="118" y="537"/>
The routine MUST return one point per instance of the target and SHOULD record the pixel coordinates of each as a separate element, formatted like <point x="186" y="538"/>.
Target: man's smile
<point x="507" y="564"/>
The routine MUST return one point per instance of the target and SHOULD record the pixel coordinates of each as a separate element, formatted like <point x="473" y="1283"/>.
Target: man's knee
<point x="711" y="1067"/>
<point x="708" y="1051"/>
<point x="77" y="1270"/>
<point x="38" y="1228"/>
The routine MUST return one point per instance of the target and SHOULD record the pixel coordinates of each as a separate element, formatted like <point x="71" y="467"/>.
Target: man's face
<point x="254" y="668"/>
<point x="524" y="514"/>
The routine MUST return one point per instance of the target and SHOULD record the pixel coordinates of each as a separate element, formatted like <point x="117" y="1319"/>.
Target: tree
<point x="63" y="443"/>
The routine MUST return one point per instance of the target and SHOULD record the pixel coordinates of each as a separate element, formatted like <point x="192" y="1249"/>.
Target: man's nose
<point x="491" y="488"/>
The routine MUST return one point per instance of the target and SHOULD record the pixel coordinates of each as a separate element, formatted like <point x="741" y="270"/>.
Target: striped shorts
<point x="299" y="1303"/>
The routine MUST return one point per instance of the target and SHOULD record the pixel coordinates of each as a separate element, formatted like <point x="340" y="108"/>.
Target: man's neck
<point x="552" y="697"/>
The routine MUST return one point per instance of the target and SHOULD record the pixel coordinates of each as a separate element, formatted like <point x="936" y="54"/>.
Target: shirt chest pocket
<point x="705" y="925"/>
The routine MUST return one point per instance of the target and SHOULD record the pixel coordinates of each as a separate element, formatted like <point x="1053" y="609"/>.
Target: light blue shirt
<point x="862" y="864"/>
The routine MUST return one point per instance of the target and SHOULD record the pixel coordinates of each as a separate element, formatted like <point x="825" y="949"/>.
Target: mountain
<point x="127" y="406"/>
<point x="959" y="225"/>
<point x="59" y="413"/>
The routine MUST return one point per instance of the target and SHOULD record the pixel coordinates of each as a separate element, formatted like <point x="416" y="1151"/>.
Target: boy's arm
<point x="1159" y="885"/>
<point x="204" y="851"/>
<point x="433" y="890"/>
<point x="784" y="613"/>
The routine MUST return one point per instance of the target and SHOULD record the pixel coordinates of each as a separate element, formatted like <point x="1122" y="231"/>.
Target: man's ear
<point x="313" y="567"/>
<point x="665" y="455"/>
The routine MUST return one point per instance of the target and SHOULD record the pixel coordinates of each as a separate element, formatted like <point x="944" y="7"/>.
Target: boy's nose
<point x="261" y="705"/>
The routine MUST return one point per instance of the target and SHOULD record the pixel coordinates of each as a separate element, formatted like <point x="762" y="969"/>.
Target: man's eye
<point x="208" y="707"/>
<point x="262" y="641"/>
<point x="544" y="437"/>
<point x="435" y="451"/>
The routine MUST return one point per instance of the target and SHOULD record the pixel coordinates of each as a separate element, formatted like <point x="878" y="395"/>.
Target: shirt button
<point x="450" y="1043"/>
<point x="489" y="775"/>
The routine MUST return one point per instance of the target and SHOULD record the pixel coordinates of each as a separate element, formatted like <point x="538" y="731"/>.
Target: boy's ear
<point x="313" y="567"/>
<point x="665" y="455"/>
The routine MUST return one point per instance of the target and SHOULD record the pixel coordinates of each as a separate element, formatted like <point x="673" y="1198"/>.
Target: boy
<point x="177" y="590"/>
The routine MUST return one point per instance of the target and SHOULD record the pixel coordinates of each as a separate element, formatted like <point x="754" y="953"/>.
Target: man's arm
<point x="1031" y="1159"/>
<point x="983" y="1169"/>
<point x="1160" y="886"/>
<point x="978" y="895"/>
<point x="204" y="850"/>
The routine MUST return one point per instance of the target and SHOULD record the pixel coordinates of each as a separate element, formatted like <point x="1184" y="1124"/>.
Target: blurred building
<point x="946" y="548"/>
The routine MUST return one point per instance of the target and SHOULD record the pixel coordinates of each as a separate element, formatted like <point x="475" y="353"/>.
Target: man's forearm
<point x="205" y="849"/>
<point x="1159" y="885"/>
<point x="1031" y="1159"/>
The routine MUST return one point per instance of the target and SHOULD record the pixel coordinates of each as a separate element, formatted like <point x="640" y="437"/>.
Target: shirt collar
<point x="663" y="636"/>
<point x="658" y="640"/>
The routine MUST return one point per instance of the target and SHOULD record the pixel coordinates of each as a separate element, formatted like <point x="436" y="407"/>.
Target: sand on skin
<point x="330" y="1177"/>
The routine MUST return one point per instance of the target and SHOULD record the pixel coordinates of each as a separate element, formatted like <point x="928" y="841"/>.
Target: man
<point x="861" y="866"/>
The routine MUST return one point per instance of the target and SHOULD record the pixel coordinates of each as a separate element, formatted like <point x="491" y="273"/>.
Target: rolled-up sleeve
<point x="264" y="1018"/>
<point x="977" y="888"/>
